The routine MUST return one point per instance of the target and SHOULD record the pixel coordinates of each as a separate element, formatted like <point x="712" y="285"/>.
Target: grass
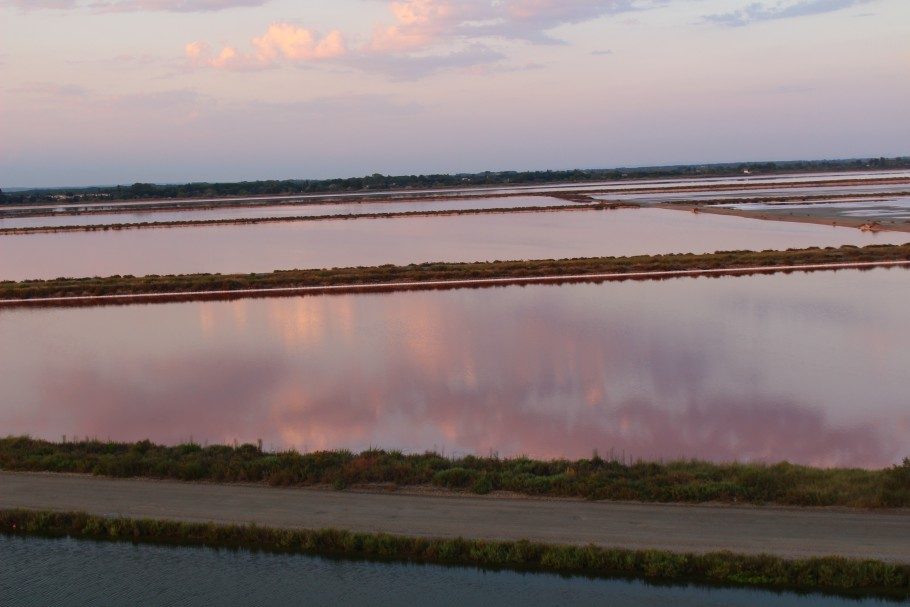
<point x="594" y="478"/>
<point x="831" y="574"/>
<point x="132" y="285"/>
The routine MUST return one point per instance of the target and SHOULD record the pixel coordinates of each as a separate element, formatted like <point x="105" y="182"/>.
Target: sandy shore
<point x="786" y="532"/>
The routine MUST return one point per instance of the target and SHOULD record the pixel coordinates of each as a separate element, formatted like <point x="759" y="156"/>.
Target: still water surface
<point x="810" y="368"/>
<point x="338" y="243"/>
<point x="49" y="572"/>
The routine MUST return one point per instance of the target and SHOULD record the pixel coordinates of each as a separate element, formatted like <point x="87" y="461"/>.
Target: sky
<point x="120" y="91"/>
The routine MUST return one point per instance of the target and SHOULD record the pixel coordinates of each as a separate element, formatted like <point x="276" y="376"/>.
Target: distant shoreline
<point x="378" y="185"/>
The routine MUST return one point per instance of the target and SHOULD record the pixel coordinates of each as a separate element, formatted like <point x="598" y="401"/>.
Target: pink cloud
<point x="398" y="47"/>
<point x="283" y="40"/>
<point x="421" y="23"/>
<point x="280" y="42"/>
<point x="417" y="24"/>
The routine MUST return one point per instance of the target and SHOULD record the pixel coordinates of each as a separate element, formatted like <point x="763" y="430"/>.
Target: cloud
<point x="336" y="105"/>
<point x="420" y="23"/>
<point x="757" y="11"/>
<point x="163" y="101"/>
<point x="51" y="90"/>
<point x="410" y="46"/>
<point x="414" y="67"/>
<point x="115" y="6"/>
<point x="281" y="42"/>
<point x="136" y="59"/>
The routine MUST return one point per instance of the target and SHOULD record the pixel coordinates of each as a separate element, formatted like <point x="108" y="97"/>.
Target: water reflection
<point x="267" y="247"/>
<point x="759" y="368"/>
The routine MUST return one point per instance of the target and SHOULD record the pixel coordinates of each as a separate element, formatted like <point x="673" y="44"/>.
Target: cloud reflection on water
<point x="651" y="370"/>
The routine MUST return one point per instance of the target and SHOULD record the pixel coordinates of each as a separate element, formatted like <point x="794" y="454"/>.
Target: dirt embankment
<point x="786" y="532"/>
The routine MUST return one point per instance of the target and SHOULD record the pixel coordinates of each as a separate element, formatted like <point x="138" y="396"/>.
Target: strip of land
<point x="854" y="577"/>
<point x="819" y="199"/>
<point x="813" y="216"/>
<point x="304" y="218"/>
<point x="791" y="533"/>
<point x="442" y="275"/>
<point x="759" y="185"/>
<point x="439" y="284"/>
<point x="596" y="478"/>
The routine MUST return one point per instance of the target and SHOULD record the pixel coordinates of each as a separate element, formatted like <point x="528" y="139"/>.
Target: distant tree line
<point x="377" y="182"/>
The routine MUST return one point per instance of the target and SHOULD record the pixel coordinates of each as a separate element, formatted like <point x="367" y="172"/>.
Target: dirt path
<point x="789" y="532"/>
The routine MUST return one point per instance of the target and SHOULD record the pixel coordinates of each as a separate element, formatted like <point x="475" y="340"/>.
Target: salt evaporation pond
<point x="341" y="243"/>
<point x="126" y="215"/>
<point x="809" y="368"/>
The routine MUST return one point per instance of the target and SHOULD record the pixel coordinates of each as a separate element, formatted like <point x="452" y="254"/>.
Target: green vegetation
<point x="132" y="285"/>
<point x="255" y="220"/>
<point x="831" y="574"/>
<point x="594" y="478"/>
<point x="377" y="182"/>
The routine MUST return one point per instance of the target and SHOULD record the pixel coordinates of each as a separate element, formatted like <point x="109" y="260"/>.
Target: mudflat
<point x="785" y="532"/>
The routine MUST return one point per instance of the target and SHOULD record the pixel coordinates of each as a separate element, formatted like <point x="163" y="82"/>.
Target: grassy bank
<point x="594" y="478"/>
<point x="830" y="574"/>
<point x="132" y="285"/>
<point x="107" y="227"/>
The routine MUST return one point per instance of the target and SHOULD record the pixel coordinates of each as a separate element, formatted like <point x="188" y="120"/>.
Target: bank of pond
<point x="434" y="272"/>
<point x="125" y="561"/>
<point x="592" y="478"/>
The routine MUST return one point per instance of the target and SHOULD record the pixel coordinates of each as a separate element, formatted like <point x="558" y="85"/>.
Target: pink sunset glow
<point x="117" y="91"/>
